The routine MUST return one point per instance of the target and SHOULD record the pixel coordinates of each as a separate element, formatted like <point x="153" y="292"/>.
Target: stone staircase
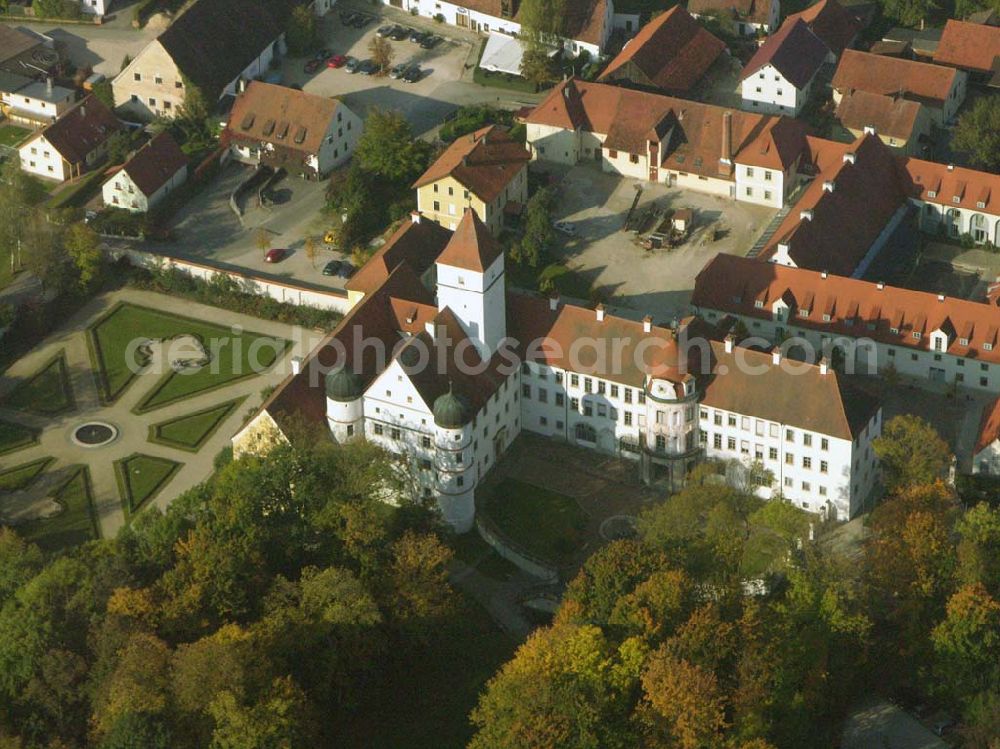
<point x="772" y="227"/>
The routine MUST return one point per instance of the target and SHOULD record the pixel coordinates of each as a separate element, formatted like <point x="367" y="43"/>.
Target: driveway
<point x="657" y="282"/>
<point x="101" y="47"/>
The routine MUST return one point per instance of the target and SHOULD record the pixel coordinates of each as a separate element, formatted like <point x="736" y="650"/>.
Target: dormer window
<point x="826" y="318"/>
<point x="894" y="331"/>
<point x="759" y="304"/>
<point x="980" y="204"/>
<point x="803" y="313"/>
<point x="987" y="347"/>
<point x="932" y="193"/>
<point x="956" y="198"/>
<point x="916" y="335"/>
<point x="963" y="341"/>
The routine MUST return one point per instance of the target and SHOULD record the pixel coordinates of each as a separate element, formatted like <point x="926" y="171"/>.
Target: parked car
<point x="337" y="61"/>
<point x="276" y="255"/>
<point x="398" y="70"/>
<point x="430" y="41"/>
<point x="311" y="67"/>
<point x="399" y="34"/>
<point x="346" y="270"/>
<point x="413" y="74"/>
<point x="361" y="20"/>
<point x="565" y="227"/>
<point x="332" y="268"/>
<point x="384" y="31"/>
<point x="417" y="36"/>
<point x="352" y="64"/>
<point x="368" y="67"/>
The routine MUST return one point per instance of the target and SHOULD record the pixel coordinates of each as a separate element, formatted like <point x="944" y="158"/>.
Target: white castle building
<point x="439" y="363"/>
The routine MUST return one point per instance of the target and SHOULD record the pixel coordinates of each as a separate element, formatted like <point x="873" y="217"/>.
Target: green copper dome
<point x="343" y="385"/>
<point x="450" y="411"/>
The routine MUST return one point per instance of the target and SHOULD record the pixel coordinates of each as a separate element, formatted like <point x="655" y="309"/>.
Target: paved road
<point x="133" y="430"/>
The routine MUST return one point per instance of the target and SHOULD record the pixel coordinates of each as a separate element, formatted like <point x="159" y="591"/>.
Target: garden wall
<point x="529" y="564"/>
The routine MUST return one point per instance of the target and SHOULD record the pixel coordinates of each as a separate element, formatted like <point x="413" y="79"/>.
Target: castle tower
<point x="470" y="280"/>
<point x="344" y="404"/>
<point x="454" y="462"/>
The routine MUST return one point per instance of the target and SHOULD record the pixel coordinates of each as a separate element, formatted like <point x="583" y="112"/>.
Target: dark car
<point x="352" y="64"/>
<point x="399" y="34"/>
<point x="276" y="255"/>
<point x="398" y="70"/>
<point x="332" y="268"/>
<point x="311" y="67"/>
<point x="346" y="270"/>
<point x="384" y="31"/>
<point x="322" y="54"/>
<point x="413" y="75"/>
<point x="430" y="41"/>
<point x="368" y="67"/>
<point x="417" y="36"/>
<point x="361" y="20"/>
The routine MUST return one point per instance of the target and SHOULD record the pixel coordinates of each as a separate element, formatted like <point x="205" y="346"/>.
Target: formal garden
<point x="105" y="418"/>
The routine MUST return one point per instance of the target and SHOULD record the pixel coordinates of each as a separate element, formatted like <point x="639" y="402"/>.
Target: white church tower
<point x="470" y="280"/>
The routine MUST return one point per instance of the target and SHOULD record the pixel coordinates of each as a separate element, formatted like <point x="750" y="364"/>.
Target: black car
<point x="430" y="41"/>
<point x="361" y="20"/>
<point x="346" y="270"/>
<point x="399" y="34"/>
<point x="333" y="267"/>
<point x="417" y="36"/>
<point x="368" y="67"/>
<point x="413" y="75"/>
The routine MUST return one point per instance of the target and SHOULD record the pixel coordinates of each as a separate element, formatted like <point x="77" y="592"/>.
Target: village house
<point x="147" y="177"/>
<point x="955" y="200"/>
<point x="670" y="54"/>
<point x="972" y="47"/>
<point x="750" y="157"/>
<point x="778" y="79"/>
<point x="484" y="170"/>
<point x="940" y="89"/>
<point x="73" y="144"/>
<point x="740" y="17"/>
<point x="835" y="25"/>
<point x="305" y="134"/>
<point x="986" y="453"/>
<point x="901" y="124"/>
<point x="212" y="46"/>
<point x="37" y="103"/>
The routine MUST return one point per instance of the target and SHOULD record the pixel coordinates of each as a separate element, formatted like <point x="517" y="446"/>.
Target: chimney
<point x="296" y="364"/>
<point x="729" y="341"/>
<point x="726" y="157"/>
<point x="600" y="312"/>
<point x="869" y="130"/>
<point x="824" y="366"/>
<point x="880" y="285"/>
<point x="823" y="274"/>
<point x="940" y="297"/>
<point x="829" y="186"/>
<point x="776" y="356"/>
<point x="806" y="215"/>
<point x="83" y="111"/>
<point x="647" y="324"/>
<point x="850" y="157"/>
<point x="415" y="217"/>
<point x="48" y="85"/>
<point x="951" y="167"/>
<point x="554" y="302"/>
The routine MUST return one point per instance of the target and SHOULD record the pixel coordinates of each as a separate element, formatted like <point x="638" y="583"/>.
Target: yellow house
<point x="485" y="170"/>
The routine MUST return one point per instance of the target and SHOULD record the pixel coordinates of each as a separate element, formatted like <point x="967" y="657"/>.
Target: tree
<point x="978" y="133"/>
<point x="104" y="93"/>
<point x="311" y="249"/>
<point x="262" y="237"/>
<point x="382" y="53"/>
<point x="137" y="731"/>
<point x="301" y="33"/>
<point x="419" y="572"/>
<point x="542" y="19"/>
<point x="683" y="702"/>
<point x="83" y="247"/>
<point x="967" y="643"/>
<point x="139" y="683"/>
<point x="908" y="12"/>
<point x="278" y="720"/>
<point x="44" y="254"/>
<point x="19" y="562"/>
<point x="388" y="149"/>
<point x="911" y="453"/>
<point x="539" y="236"/>
<point x="537" y="66"/>
<point x="979" y="547"/>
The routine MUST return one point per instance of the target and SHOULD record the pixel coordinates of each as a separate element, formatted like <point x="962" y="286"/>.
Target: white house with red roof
<point x="149" y="175"/>
<point x="778" y="79"/>
<point x="986" y="453"/>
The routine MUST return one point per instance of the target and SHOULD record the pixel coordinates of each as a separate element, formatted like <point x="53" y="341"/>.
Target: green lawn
<point x="475" y="552"/>
<point x="47" y="391"/>
<point x="15" y="437"/>
<point x="20" y="477"/>
<point x="75" y="525"/>
<point x="126" y="324"/>
<point x="11" y="135"/>
<point x="546" y="524"/>
<point x="190" y="432"/>
<point x="141" y="477"/>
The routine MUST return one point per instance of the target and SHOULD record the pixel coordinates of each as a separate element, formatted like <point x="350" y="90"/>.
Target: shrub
<point x="439" y="17"/>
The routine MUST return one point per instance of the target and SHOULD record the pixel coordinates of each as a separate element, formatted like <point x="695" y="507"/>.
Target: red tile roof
<point x="754" y="11"/>
<point x="284" y="116"/>
<point x="831" y="22"/>
<point x="484" y="161"/>
<point x="877" y="74"/>
<point x="970" y="46"/>
<point x="584" y="20"/>
<point x="845" y="222"/>
<point x="690" y="132"/>
<point x="989" y="426"/>
<point x="856" y="308"/>
<point x="471" y="247"/>
<point x="975" y="191"/>
<point x="672" y="52"/>
<point x="891" y="117"/>
<point x="82" y="129"/>
<point x="794" y="51"/>
<point x="417" y="243"/>
<point x="155" y="163"/>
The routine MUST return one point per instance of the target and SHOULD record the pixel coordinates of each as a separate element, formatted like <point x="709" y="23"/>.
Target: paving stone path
<point x="133" y="430"/>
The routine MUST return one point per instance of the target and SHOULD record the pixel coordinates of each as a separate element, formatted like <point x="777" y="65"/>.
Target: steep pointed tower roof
<point x="471" y="247"/>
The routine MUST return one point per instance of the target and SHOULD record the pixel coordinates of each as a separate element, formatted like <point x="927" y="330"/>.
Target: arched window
<point x="953" y="220"/>
<point x="586" y="433"/>
<point x="978" y="228"/>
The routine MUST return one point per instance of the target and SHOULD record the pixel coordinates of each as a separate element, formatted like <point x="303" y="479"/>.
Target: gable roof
<point x="14" y="42"/>
<point x="794" y="51"/>
<point x="418" y="243"/>
<point x="690" y="132"/>
<point x="831" y="22"/>
<point x="890" y="116"/>
<point x="989" y="426"/>
<point x="584" y="21"/>
<point x="673" y="52"/>
<point x="755" y="11"/>
<point x="283" y="116"/>
<point x="213" y="41"/>
<point x="484" y="161"/>
<point x="471" y="247"/>
<point x="952" y="186"/>
<point x="878" y="74"/>
<point x="855" y="308"/>
<point x="155" y="163"/>
<point x="971" y="46"/>
<point x="844" y="223"/>
<point x="81" y="129"/>
<point x="746" y="381"/>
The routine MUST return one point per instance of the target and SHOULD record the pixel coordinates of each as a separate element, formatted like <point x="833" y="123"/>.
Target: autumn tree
<point x="388" y="149"/>
<point x="301" y="34"/>
<point x="978" y="133"/>
<point x="382" y="54"/>
<point x="311" y="249"/>
<point x="683" y="704"/>
<point x="262" y="238"/>
<point x="911" y="453"/>
<point x="83" y="247"/>
<point x="967" y="643"/>
<point x="537" y="66"/>
<point x="979" y="547"/>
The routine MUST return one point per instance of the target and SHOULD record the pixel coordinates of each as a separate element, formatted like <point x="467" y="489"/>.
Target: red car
<point x="276" y="255"/>
<point x="337" y="61"/>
